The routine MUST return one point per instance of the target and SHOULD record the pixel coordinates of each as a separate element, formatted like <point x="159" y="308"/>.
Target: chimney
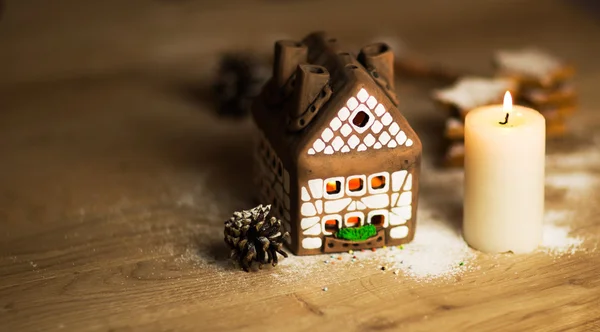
<point x="380" y="57"/>
<point x="288" y="55"/>
<point x="310" y="81"/>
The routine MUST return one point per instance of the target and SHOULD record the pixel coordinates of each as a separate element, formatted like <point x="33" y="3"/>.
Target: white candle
<point x="504" y="178"/>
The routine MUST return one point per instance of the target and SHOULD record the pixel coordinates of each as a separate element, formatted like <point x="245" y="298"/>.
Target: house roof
<point x="316" y="111"/>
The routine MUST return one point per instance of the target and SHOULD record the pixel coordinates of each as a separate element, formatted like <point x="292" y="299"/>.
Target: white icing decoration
<point x="396" y="220"/>
<point x="399" y="232"/>
<point x="352" y="206"/>
<point x="401" y="138"/>
<point x="394" y="198"/>
<point x="360" y="205"/>
<point x="304" y="194"/>
<point x="346" y="130"/>
<point x="337" y="205"/>
<point x="404" y="212"/>
<point x="369" y="140"/>
<point x="408" y="184"/>
<point x="319" y="145"/>
<point x="405" y="198"/>
<point x="386" y="119"/>
<point x="376" y="126"/>
<point x="352" y="103"/>
<point x="316" y="188"/>
<point x="384" y="137"/>
<point x="308" y="209"/>
<point x="353" y="141"/>
<point x="362" y="95"/>
<point x="376" y="201"/>
<point x="327" y="135"/>
<point x="394" y="128"/>
<point x="398" y="179"/>
<point x="319" y="206"/>
<point x="311" y="243"/>
<point x="314" y="230"/>
<point x="337" y="143"/>
<point x="308" y="222"/>
<point x="335" y="124"/>
<point x="372" y="102"/>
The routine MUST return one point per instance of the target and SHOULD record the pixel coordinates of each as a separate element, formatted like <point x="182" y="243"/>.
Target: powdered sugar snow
<point x="437" y="252"/>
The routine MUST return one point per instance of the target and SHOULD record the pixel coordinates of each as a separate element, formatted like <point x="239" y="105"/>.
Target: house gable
<point x="363" y="123"/>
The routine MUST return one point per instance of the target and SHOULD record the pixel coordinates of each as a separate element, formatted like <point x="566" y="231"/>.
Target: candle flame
<point x="507" y="102"/>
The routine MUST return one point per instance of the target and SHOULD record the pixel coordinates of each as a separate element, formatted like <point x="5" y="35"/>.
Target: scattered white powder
<point x="557" y="241"/>
<point x="437" y="252"/>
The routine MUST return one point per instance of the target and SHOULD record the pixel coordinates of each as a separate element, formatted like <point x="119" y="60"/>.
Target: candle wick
<point x="505" y="120"/>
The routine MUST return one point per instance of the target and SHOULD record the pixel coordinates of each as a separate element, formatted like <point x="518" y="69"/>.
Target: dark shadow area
<point x="590" y="7"/>
<point x="217" y="252"/>
<point x="203" y="97"/>
<point x="237" y="80"/>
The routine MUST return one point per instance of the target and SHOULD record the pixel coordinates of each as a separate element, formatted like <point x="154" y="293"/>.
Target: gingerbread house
<point x="334" y="152"/>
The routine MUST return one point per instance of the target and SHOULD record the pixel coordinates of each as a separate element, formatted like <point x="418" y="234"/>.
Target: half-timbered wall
<point x="383" y="199"/>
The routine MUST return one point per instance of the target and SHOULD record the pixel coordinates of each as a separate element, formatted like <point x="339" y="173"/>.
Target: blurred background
<point x="49" y="40"/>
<point x="113" y="181"/>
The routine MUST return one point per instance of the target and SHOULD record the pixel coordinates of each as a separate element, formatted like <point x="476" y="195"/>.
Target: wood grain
<point x="114" y="182"/>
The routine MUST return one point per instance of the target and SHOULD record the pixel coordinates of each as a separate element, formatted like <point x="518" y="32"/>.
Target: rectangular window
<point x="378" y="220"/>
<point x="378" y="182"/>
<point x="355" y="184"/>
<point x="333" y="187"/>
<point x="332" y="226"/>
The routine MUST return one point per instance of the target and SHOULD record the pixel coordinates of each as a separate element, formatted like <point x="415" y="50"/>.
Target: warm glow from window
<point x="355" y="184"/>
<point x="353" y="222"/>
<point x="333" y="187"/>
<point x="378" y="220"/>
<point x="331" y="226"/>
<point x="378" y="182"/>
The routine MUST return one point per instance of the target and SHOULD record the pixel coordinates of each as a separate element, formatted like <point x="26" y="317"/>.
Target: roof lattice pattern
<point x="362" y="114"/>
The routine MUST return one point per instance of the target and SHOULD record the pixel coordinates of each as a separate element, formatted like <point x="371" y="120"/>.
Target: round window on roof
<point x="360" y="119"/>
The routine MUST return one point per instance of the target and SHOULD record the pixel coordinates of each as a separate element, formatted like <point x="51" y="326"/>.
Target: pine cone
<point x="254" y="238"/>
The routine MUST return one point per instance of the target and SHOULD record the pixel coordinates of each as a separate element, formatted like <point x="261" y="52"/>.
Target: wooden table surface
<point x="114" y="184"/>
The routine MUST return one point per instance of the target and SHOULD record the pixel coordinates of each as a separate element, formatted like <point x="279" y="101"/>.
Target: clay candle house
<point x="333" y="151"/>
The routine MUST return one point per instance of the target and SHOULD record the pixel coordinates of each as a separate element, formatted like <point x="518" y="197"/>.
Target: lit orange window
<point x="333" y="187"/>
<point x="378" y="182"/>
<point x="378" y="220"/>
<point x="353" y="222"/>
<point x="331" y="226"/>
<point x="355" y="184"/>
